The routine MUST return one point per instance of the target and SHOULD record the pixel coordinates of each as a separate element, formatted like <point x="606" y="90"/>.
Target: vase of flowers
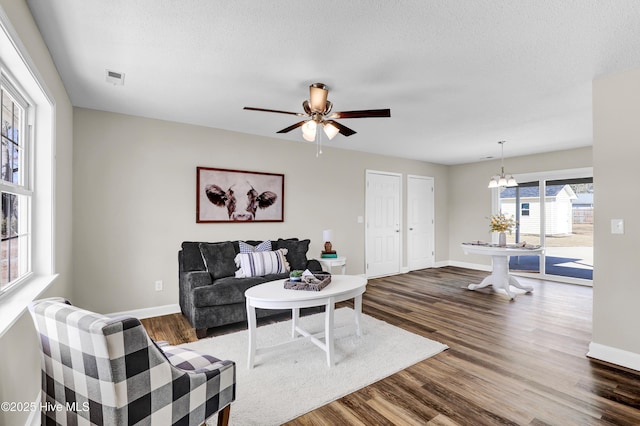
<point x="502" y="224"/>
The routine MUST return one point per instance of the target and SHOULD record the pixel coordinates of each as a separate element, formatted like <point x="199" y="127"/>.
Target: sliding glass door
<point x="558" y="215"/>
<point x="569" y="249"/>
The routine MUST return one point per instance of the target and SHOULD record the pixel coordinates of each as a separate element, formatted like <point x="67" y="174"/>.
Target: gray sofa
<point x="211" y="295"/>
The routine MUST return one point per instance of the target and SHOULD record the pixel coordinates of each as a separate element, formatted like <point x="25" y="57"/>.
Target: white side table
<point x="329" y="262"/>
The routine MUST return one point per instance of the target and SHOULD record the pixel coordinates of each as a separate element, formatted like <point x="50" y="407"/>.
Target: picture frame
<point x="237" y="196"/>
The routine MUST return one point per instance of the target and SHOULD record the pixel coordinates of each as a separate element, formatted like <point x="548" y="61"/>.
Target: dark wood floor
<point x="516" y="362"/>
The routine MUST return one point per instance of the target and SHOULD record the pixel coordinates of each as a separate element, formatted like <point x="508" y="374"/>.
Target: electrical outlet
<point x="159" y="285"/>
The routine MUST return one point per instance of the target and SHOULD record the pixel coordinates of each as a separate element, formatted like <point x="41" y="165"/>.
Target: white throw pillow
<point x="261" y="263"/>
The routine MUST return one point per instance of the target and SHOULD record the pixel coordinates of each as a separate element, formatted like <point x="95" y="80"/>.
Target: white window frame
<point x="25" y="187"/>
<point x="42" y="175"/>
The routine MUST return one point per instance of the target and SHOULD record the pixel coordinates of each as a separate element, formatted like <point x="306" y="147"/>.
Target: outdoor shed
<point x="558" y="208"/>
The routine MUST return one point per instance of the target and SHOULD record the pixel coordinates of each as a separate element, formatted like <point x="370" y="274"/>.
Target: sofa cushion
<point x="276" y="244"/>
<point x="192" y="257"/>
<point x="229" y="290"/>
<point x="218" y="259"/>
<point x="296" y="252"/>
<point x="261" y="263"/>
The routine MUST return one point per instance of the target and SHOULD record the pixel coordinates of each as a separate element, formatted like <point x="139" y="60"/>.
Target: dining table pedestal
<point x="500" y="278"/>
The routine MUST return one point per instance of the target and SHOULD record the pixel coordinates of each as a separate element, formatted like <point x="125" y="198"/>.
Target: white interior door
<point x="383" y="195"/>
<point x="420" y="222"/>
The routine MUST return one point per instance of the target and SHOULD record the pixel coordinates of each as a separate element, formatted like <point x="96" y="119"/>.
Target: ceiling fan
<point x="317" y="110"/>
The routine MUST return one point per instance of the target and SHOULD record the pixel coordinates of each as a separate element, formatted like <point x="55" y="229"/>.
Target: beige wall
<point x="470" y="199"/>
<point x="616" y="149"/>
<point x="19" y="350"/>
<point x="134" y="201"/>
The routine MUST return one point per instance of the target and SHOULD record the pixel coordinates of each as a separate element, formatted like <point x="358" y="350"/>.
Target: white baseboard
<point x="155" y="311"/>
<point x="614" y="356"/>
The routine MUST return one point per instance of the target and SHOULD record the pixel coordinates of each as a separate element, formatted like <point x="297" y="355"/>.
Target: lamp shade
<point x="330" y="130"/>
<point x="309" y="130"/>
<point x="309" y="127"/>
<point x="327" y="235"/>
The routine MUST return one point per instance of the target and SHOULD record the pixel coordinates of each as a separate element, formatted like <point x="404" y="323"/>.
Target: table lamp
<point x="327" y="236"/>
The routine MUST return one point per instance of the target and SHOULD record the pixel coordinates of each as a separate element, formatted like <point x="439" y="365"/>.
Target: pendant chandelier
<point x="500" y="180"/>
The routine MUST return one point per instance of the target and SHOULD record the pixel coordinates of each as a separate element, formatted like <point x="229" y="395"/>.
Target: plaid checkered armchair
<point x="107" y="371"/>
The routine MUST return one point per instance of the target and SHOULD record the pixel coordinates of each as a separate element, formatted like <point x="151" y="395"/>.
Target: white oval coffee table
<point x="273" y="295"/>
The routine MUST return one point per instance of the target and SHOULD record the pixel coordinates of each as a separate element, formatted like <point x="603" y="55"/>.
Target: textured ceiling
<point x="458" y="75"/>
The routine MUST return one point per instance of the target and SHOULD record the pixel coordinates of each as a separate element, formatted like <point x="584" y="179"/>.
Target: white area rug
<point x="295" y="379"/>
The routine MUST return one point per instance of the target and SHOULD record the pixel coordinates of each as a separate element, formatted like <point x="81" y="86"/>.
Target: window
<point x="15" y="191"/>
<point x="27" y="178"/>
<point x="524" y="209"/>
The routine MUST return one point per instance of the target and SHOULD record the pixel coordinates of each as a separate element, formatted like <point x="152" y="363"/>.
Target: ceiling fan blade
<point x="344" y="130"/>
<point x="275" y="110"/>
<point x="362" y="113"/>
<point x="290" y="128"/>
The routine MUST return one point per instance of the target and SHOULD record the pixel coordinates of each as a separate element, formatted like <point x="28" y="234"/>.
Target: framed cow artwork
<point x="224" y="195"/>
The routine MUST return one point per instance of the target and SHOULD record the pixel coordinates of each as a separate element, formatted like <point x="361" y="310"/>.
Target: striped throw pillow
<point x="261" y="263"/>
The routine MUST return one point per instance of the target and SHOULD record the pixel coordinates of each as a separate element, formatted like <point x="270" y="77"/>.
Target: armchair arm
<point x="191" y="372"/>
<point x="188" y="282"/>
<point x="196" y="279"/>
<point x="190" y="360"/>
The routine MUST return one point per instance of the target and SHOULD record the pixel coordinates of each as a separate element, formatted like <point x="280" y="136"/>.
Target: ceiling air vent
<point x="115" y="78"/>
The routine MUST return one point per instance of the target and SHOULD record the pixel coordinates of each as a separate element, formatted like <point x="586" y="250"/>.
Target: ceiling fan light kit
<point x="317" y="112"/>
<point x="309" y="130"/>
<point x="501" y="181"/>
<point x="330" y="130"/>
